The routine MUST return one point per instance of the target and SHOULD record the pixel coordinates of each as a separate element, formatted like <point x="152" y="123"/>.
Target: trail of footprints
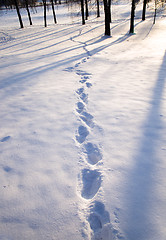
<point x="90" y="176"/>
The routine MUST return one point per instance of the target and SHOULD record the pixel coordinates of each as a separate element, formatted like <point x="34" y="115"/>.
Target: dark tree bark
<point x="86" y="8"/>
<point x="107" y="18"/>
<point x="144" y="10"/>
<point x="110" y="1"/>
<point x="155" y="11"/>
<point x="132" y="17"/>
<point x="45" y="16"/>
<point x="53" y="10"/>
<point x="82" y="12"/>
<point x="27" y="8"/>
<point x="18" y="13"/>
<point x="98" y="9"/>
<point x="154" y="21"/>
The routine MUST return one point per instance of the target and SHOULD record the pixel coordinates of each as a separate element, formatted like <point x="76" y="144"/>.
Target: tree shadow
<point x="141" y="195"/>
<point x="42" y="36"/>
<point x="149" y="31"/>
<point x="21" y="78"/>
<point x="49" y="55"/>
<point x="50" y="59"/>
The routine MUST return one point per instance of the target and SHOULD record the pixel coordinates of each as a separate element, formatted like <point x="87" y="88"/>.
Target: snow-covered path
<point x="83" y="122"/>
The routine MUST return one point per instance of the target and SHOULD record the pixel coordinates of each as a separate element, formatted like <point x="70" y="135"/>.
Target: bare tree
<point x="86" y="8"/>
<point x="45" y="16"/>
<point x="110" y="3"/>
<point x="144" y="10"/>
<point x="29" y="16"/>
<point x="155" y="11"/>
<point x="132" y="17"/>
<point x="107" y="17"/>
<point x="53" y="10"/>
<point x="82" y="12"/>
<point x="98" y="9"/>
<point x="133" y="6"/>
<point x="18" y="13"/>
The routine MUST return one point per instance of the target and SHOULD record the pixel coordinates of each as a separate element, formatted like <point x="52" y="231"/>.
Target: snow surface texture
<point x="83" y="123"/>
<point x="90" y="178"/>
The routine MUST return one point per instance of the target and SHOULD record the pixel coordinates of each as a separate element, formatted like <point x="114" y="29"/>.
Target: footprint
<point x="80" y="90"/>
<point x="91" y="183"/>
<point x="5" y="139"/>
<point x="77" y="64"/>
<point x="99" y="221"/>
<point x="84" y="79"/>
<point x="82" y="73"/>
<point x="94" y="222"/>
<point x="98" y="208"/>
<point x="87" y="118"/>
<point x="80" y="106"/>
<point x="88" y="84"/>
<point x="84" y="97"/>
<point x="7" y="169"/>
<point x="105" y="233"/>
<point x="93" y="153"/>
<point x="83" y="133"/>
<point x="69" y="69"/>
<point x="5" y="38"/>
<point x="84" y="60"/>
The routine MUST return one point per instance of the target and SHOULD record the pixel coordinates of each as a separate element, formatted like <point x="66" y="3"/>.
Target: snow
<point x="83" y="122"/>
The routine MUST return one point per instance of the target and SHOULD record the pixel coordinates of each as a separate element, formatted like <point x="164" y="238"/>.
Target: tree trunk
<point x="110" y="1"/>
<point x="18" y="13"/>
<point x="144" y="10"/>
<point x="155" y="16"/>
<point x="29" y="16"/>
<point x="82" y="12"/>
<point x="86" y="8"/>
<point x="155" y="11"/>
<point x="45" y="17"/>
<point x="132" y="17"/>
<point x="98" y="9"/>
<point x="107" y="18"/>
<point x="53" y="10"/>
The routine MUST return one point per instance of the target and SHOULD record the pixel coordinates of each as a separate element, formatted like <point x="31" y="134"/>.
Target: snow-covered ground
<point x="83" y="127"/>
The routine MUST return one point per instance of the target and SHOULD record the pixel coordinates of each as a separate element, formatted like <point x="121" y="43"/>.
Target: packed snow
<point x="83" y="126"/>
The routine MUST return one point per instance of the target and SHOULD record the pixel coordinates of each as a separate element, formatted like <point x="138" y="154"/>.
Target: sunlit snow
<point x="83" y="126"/>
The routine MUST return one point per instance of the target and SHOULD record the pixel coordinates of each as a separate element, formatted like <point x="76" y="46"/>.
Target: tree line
<point x="83" y="6"/>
